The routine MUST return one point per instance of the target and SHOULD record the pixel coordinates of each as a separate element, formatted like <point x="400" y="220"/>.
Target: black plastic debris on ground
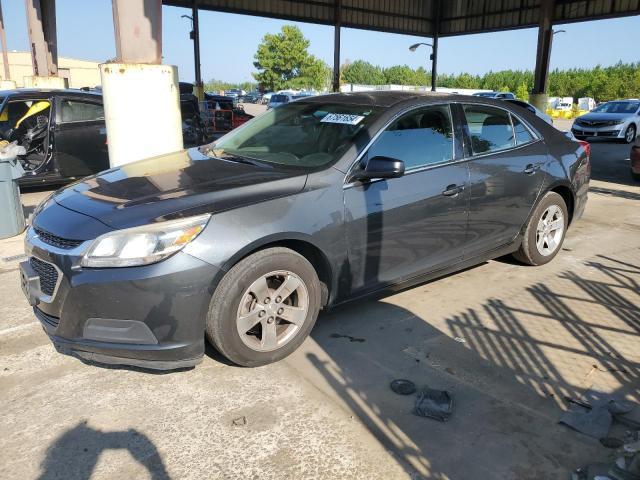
<point x="595" y="419"/>
<point x="349" y="337"/>
<point x="403" y="387"/>
<point x="436" y="404"/>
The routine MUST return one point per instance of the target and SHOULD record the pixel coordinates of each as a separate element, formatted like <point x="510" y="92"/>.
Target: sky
<point x="228" y="42"/>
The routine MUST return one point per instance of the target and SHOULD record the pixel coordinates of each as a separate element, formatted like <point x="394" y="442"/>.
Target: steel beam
<point x="545" y="39"/>
<point x="138" y="30"/>
<point x="196" y="43"/>
<point x="336" y="45"/>
<point x="3" y="39"/>
<point x="41" y="20"/>
<point x="437" y="8"/>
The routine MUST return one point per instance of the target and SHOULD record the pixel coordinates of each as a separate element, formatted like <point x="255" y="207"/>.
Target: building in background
<point x="78" y="73"/>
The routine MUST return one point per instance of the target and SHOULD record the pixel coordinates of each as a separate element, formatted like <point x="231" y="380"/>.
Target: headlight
<point x="143" y="245"/>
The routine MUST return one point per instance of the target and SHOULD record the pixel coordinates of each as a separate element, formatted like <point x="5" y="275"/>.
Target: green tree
<point x="282" y="61"/>
<point x="363" y="73"/>
<point x="522" y="92"/>
<point x="399" y="75"/>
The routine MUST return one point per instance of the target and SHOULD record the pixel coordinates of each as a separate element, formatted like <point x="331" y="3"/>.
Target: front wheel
<point x="630" y="134"/>
<point x="264" y="307"/>
<point x="545" y="231"/>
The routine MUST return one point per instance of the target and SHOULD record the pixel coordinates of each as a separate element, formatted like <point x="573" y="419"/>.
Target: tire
<point x="530" y="251"/>
<point x="630" y="134"/>
<point x="243" y="284"/>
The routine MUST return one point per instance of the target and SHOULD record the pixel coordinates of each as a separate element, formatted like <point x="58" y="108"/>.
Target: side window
<point x="523" y="135"/>
<point x="76" y="111"/>
<point x="418" y="138"/>
<point x="489" y="127"/>
<point x="17" y="112"/>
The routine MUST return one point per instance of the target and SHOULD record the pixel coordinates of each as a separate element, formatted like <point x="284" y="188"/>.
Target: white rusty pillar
<point x="141" y="96"/>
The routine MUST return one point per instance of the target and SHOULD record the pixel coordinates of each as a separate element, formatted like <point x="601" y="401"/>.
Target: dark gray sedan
<point x="315" y="203"/>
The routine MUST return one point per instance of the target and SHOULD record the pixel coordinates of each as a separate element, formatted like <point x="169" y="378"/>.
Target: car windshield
<point x="617" y="107"/>
<point x="296" y="134"/>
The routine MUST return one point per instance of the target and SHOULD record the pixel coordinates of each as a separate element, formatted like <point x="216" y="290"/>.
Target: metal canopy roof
<point x="418" y="17"/>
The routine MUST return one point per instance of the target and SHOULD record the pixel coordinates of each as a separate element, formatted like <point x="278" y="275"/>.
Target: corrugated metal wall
<point x="416" y="17"/>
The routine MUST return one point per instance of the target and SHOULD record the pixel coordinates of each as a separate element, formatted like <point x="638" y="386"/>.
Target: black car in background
<point x="64" y="132"/>
<point x="314" y="203"/>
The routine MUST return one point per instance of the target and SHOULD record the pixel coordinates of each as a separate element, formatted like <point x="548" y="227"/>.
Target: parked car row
<point x="318" y="202"/>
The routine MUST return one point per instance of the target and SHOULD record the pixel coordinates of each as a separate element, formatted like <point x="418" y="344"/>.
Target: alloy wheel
<point x="550" y="230"/>
<point x="272" y="310"/>
<point x="630" y="134"/>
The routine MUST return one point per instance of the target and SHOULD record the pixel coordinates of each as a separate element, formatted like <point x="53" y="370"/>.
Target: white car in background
<point x="616" y="119"/>
<point x="278" y="99"/>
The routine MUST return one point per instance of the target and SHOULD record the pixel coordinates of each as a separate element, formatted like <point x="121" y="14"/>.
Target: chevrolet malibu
<point x="315" y="203"/>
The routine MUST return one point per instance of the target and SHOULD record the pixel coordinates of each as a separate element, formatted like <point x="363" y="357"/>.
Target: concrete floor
<point x="507" y="341"/>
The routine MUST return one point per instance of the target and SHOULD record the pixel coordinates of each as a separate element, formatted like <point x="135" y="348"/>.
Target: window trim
<point x="365" y="151"/>
<point x="536" y="136"/>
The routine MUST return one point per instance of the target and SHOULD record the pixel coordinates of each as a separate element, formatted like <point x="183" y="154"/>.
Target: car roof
<point x="30" y="92"/>
<point x="389" y="98"/>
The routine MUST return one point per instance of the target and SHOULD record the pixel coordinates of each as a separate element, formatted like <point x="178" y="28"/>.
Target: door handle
<point x="531" y="169"/>
<point x="452" y="190"/>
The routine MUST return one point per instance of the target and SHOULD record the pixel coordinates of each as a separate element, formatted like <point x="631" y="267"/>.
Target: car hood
<point x="603" y="117"/>
<point x="176" y="185"/>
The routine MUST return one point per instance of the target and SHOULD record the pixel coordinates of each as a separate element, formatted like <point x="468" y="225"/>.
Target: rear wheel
<point x="545" y="231"/>
<point x="264" y="307"/>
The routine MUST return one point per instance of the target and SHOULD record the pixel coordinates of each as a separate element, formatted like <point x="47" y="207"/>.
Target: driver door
<point x="403" y="227"/>
<point x="80" y="137"/>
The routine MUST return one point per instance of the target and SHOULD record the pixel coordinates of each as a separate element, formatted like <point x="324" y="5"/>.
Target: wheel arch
<point x="301" y="244"/>
<point x="567" y="195"/>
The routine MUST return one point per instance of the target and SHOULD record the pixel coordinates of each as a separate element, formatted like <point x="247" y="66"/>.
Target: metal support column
<point x="543" y="55"/>
<point x="41" y="20"/>
<point x="141" y="96"/>
<point x="434" y="54"/>
<point x="3" y="39"/>
<point x="199" y="89"/>
<point x="336" y="45"/>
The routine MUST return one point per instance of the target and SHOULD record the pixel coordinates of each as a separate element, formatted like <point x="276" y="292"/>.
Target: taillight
<point x="587" y="147"/>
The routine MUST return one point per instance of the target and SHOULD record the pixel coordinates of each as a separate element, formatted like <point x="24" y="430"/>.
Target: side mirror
<point x="380" y="167"/>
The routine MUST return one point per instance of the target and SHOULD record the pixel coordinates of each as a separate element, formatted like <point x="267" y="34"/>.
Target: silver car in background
<point x="616" y="119"/>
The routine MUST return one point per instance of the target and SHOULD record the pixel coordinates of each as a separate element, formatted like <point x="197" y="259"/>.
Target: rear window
<point x="75" y="111"/>
<point x="279" y="98"/>
<point x="490" y="129"/>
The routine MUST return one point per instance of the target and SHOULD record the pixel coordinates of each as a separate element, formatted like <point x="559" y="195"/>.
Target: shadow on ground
<point x="75" y="453"/>
<point x="515" y="361"/>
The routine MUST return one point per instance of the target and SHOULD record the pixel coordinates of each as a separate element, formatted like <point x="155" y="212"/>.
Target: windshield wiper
<point x="232" y="157"/>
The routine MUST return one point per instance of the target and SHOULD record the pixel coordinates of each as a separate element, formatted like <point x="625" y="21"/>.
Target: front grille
<point x="47" y="273"/>
<point x="54" y="240"/>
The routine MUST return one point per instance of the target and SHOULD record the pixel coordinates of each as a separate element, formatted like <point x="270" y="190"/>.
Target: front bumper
<point x="150" y="316"/>
<point x="609" y="131"/>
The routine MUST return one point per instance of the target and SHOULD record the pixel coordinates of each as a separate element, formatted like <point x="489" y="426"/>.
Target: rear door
<point x="401" y="227"/>
<point x="506" y="157"/>
<point x="80" y="137"/>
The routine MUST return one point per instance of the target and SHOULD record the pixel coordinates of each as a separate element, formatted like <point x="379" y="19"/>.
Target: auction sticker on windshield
<point x="346" y="119"/>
